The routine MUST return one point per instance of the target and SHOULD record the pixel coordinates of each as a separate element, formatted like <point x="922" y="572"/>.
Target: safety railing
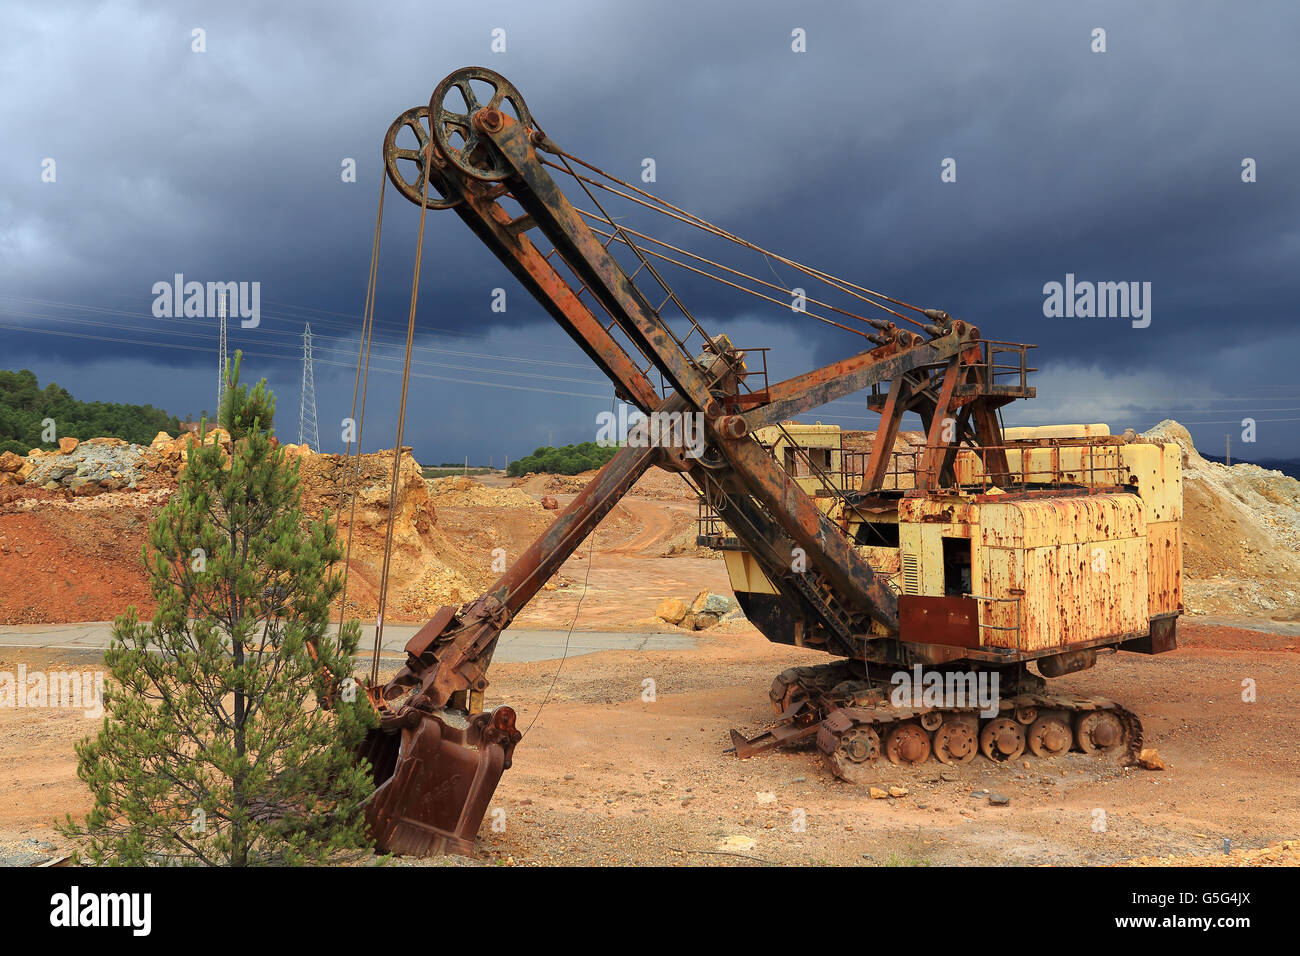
<point x="1003" y="370"/>
<point x="826" y="482"/>
<point x="710" y="530"/>
<point x="1094" y="467"/>
<point x="900" y="475"/>
<point x="1097" y="465"/>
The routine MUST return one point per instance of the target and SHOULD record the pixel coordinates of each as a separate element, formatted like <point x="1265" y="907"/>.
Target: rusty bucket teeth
<point x="435" y="777"/>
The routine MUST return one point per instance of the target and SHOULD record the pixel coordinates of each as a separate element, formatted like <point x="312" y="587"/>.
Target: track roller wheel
<point x="1002" y="739"/>
<point x="1098" y="732"/>
<point x="858" y="749"/>
<point x="954" y="742"/>
<point x="1049" y="736"/>
<point x="908" y="744"/>
<point x="931" y="720"/>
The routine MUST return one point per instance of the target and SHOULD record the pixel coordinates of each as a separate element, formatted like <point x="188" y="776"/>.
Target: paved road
<point x="514" y="645"/>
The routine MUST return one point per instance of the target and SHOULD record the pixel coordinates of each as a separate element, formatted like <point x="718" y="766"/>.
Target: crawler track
<point x="859" y="725"/>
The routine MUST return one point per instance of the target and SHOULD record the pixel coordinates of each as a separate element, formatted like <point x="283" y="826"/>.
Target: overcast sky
<point x="225" y="165"/>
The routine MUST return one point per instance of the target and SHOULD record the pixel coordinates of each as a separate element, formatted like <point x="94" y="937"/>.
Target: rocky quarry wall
<point x="72" y="523"/>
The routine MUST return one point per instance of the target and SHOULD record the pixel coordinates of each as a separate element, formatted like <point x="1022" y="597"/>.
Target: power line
<point x="426" y="376"/>
<point x="285" y="318"/>
<point x="222" y="348"/>
<point x="1194" y="405"/>
<point x="347" y="365"/>
<point x="176" y="332"/>
<point x="1203" y="405"/>
<point x="353" y="325"/>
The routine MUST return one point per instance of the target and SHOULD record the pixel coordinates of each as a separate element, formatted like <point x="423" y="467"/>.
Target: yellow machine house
<point x="1078" y="546"/>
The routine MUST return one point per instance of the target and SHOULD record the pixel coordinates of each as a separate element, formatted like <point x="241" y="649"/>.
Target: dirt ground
<point x="605" y="775"/>
<point x="649" y="782"/>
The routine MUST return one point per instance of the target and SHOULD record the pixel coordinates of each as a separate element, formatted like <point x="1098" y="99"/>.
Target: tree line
<point x="25" y="407"/>
<point x="568" y="460"/>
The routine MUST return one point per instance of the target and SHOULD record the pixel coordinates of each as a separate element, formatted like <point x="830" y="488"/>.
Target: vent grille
<point x="911" y="569"/>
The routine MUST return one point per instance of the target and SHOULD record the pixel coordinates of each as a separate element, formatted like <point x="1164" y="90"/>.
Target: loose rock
<point x="1149" y="759"/>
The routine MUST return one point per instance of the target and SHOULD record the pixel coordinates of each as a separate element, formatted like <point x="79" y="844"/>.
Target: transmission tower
<point x="308" y="433"/>
<point x="221" y="357"/>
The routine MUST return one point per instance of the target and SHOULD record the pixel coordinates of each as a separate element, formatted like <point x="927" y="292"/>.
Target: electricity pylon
<point x="221" y="357"/>
<point x="308" y="433"/>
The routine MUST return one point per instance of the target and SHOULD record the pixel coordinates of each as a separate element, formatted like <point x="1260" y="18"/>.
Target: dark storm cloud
<point x="226" y="165"/>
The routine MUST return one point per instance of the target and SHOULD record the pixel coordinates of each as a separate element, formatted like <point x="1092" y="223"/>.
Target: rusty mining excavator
<point x="969" y="554"/>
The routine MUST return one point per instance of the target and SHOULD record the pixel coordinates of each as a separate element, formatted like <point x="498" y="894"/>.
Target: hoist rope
<point x="401" y="427"/>
<point x="360" y="382"/>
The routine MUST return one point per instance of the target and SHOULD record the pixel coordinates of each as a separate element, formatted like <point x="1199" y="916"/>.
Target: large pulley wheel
<point x="1098" y="732"/>
<point x="452" y="110"/>
<point x="858" y="749"/>
<point x="1002" y="739"/>
<point x="955" y="743"/>
<point x="408" y="167"/>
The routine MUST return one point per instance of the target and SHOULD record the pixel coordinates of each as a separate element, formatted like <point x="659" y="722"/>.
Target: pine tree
<point x="214" y="748"/>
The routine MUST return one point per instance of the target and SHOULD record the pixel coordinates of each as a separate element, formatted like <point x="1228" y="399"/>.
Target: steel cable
<point x="666" y="208"/>
<point x="363" y="359"/>
<point x="401" y="427"/>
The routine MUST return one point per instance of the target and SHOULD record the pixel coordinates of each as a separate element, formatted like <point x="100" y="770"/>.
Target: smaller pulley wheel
<point x="859" y="748"/>
<point x="1098" y="732"/>
<point x="1002" y="739"/>
<point x="1049" y="736"/>
<point x="407" y="166"/>
<point x="453" y="110"/>
<point x="908" y="744"/>
<point x="932" y="720"/>
<point x="955" y="743"/>
<point x="1026" y="715"/>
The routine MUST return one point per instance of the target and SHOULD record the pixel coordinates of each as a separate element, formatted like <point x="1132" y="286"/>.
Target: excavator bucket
<point x="435" y="776"/>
